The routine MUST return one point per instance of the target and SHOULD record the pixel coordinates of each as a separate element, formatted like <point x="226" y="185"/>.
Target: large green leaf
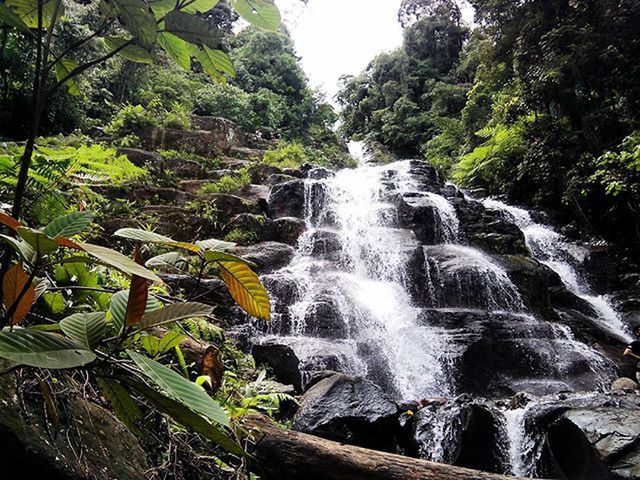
<point x="63" y="68"/>
<point x="118" y="308"/>
<point x="174" y="312"/>
<point x="261" y="13"/>
<point x="215" y="63"/>
<point x="214" y="244"/>
<point x="169" y="261"/>
<point x="20" y="246"/>
<point x="38" y="240"/>
<point x="88" y="329"/>
<point x="27" y="10"/>
<point x="176" y="48"/>
<point x="132" y="52"/>
<point x="199" y="6"/>
<point x="119" y="261"/>
<point x="125" y="407"/>
<point x="69" y="225"/>
<point x="213" y="256"/>
<point x="192" y="29"/>
<point x="138" y="20"/>
<point x="152" y="237"/>
<point x="9" y="17"/>
<point x="187" y="417"/>
<point x="181" y="389"/>
<point x="42" y="349"/>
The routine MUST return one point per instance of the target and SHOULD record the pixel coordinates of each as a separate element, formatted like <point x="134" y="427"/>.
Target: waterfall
<point x="564" y="257"/>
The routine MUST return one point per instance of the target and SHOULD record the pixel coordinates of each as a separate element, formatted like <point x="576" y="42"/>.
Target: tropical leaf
<point x="118" y="261"/>
<point x="9" y="221"/>
<point x="261" y="13"/>
<point x="124" y="406"/>
<point x="170" y="340"/>
<point x="173" y="313"/>
<point x="246" y="289"/>
<point x="87" y="329"/>
<point x="38" y="240"/>
<point x="132" y="52"/>
<point x="176" y="48"/>
<point x="180" y="389"/>
<point x="69" y="225"/>
<point x="199" y="6"/>
<point x="9" y="17"/>
<point x="192" y="29"/>
<point x="138" y="20"/>
<point x="138" y="294"/>
<point x="63" y="68"/>
<point x="42" y="349"/>
<point x="152" y="237"/>
<point x="20" y="246"/>
<point x="27" y="10"/>
<point x="169" y="260"/>
<point x="54" y="301"/>
<point x="118" y="307"/>
<point x="213" y="256"/>
<point x="14" y="282"/>
<point x="214" y="62"/>
<point x="187" y="417"/>
<point x="214" y="244"/>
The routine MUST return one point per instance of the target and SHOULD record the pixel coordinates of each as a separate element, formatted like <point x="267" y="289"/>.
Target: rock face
<point x="287" y="199"/>
<point x="281" y="360"/>
<point x="348" y="409"/>
<point x="267" y="256"/>
<point x="597" y="443"/>
<point x="83" y="447"/>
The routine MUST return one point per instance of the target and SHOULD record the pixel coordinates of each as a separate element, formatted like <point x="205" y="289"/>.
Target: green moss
<point x="241" y="236"/>
<point x="229" y="183"/>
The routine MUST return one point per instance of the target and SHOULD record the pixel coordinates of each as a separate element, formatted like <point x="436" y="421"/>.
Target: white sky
<point x="338" y="37"/>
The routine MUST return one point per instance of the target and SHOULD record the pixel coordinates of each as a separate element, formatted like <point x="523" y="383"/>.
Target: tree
<point x="130" y="28"/>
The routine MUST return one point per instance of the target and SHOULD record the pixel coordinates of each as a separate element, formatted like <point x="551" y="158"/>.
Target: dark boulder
<point x="267" y="256"/>
<point x="281" y="360"/>
<point x="326" y="244"/>
<point x="227" y="206"/>
<point x="185" y="168"/>
<point x="347" y="409"/>
<point x="260" y="172"/>
<point x="287" y="199"/>
<point x="324" y="319"/>
<point x="258" y="227"/>
<point x="598" y="443"/>
<point x="290" y="229"/>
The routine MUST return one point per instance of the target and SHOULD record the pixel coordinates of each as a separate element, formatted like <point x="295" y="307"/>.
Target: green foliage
<point x="232" y="183"/>
<point x="131" y="119"/>
<point x="241" y="236"/>
<point x="287" y="155"/>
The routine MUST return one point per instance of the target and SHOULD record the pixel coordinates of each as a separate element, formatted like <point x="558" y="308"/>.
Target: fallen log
<point x="288" y="455"/>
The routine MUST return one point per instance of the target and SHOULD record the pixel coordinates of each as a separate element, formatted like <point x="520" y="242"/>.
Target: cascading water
<point x="381" y="287"/>
<point x="563" y="257"/>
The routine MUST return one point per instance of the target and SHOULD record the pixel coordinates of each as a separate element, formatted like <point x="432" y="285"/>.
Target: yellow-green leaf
<point x="246" y="289"/>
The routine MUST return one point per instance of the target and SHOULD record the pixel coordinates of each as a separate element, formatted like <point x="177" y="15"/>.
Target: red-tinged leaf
<point x="65" y="242"/>
<point x="17" y="304"/>
<point x="213" y="367"/>
<point x="138" y="294"/>
<point x="9" y="221"/>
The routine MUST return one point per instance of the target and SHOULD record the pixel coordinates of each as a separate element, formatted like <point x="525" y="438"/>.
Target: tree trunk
<point x="285" y="454"/>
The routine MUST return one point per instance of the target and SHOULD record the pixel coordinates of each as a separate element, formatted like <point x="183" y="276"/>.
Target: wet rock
<point x="267" y="256"/>
<point x="290" y="229"/>
<point x="347" y="409"/>
<point x="258" y="227"/>
<point x="82" y="448"/>
<point x="420" y="214"/>
<point x="287" y="199"/>
<point x="319" y="173"/>
<point x="624" y="384"/>
<point x="281" y="360"/>
<point x="459" y="432"/>
<point x="590" y="443"/>
<point x="324" y="319"/>
<point x="326" y="244"/>
<point x="277" y="178"/>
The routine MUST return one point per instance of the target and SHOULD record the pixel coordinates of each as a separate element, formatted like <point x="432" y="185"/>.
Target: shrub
<point x="130" y="119"/>
<point x="287" y="155"/>
<point x="241" y="237"/>
<point x="227" y="101"/>
<point x="178" y="118"/>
